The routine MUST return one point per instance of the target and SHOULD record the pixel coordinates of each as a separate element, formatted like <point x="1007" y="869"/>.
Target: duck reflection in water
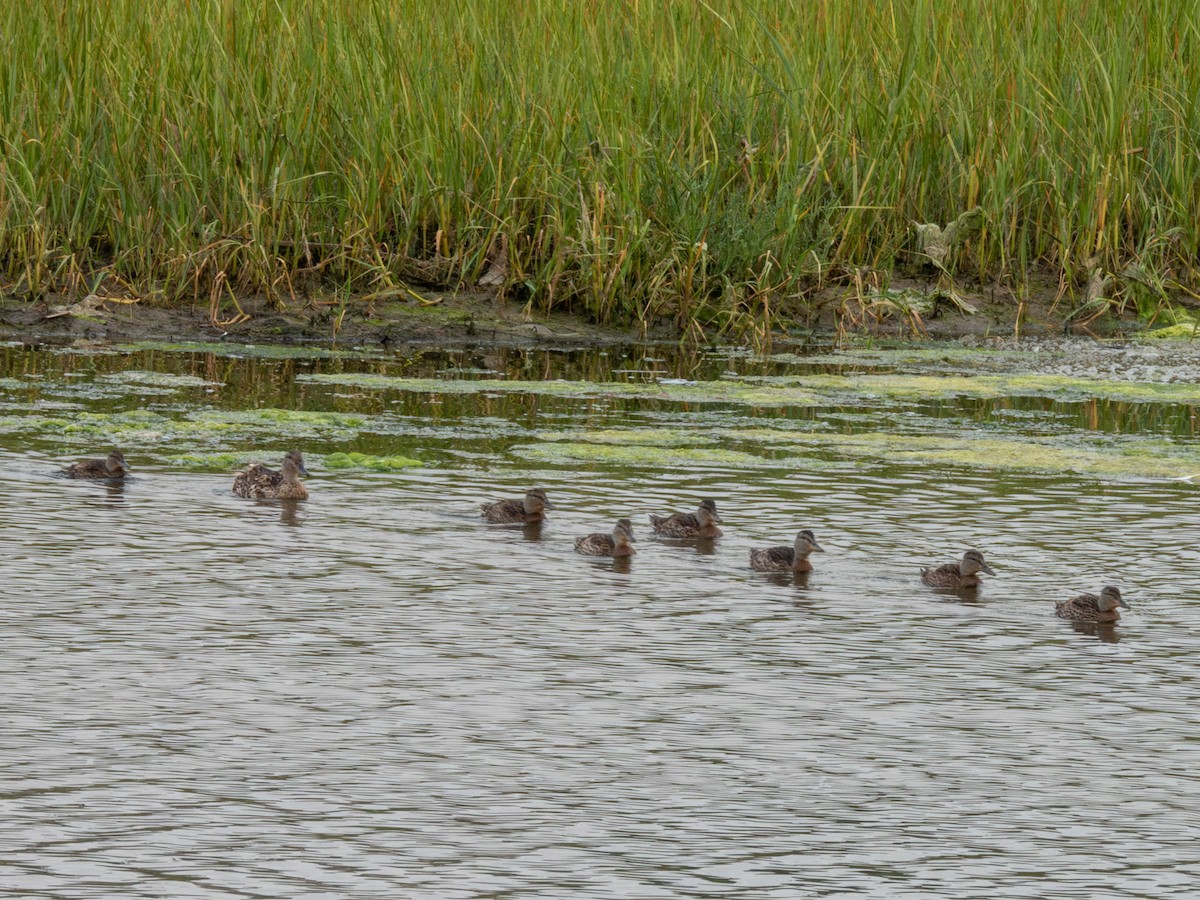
<point x="1103" y="632"/>
<point x="794" y="579"/>
<point x="289" y="512"/>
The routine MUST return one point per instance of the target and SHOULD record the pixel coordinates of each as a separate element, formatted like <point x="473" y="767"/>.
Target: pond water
<point x="373" y="694"/>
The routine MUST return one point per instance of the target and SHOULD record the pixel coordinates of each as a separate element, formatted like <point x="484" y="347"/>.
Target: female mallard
<point x="257" y="482"/>
<point x="958" y="576"/>
<point x="529" y="511"/>
<point x="1090" y="608"/>
<point x="113" y="466"/>
<point x="619" y="543"/>
<point x="700" y="524"/>
<point x="787" y="559"/>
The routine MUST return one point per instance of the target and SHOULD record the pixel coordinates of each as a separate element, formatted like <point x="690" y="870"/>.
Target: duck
<point x="112" y="466"/>
<point x="959" y="576"/>
<point x="530" y="511"/>
<point x="617" y="544"/>
<point x="1090" y="608"/>
<point x="257" y="482"/>
<point x="787" y="559"/>
<point x="700" y="524"/>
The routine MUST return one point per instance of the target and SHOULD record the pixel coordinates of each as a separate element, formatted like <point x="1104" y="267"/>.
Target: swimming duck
<point x="958" y="576"/>
<point x="1090" y="608"/>
<point x="787" y="559"/>
<point x="700" y="524"/>
<point x="619" y="543"/>
<point x="257" y="482"/>
<point x="113" y="466"/>
<point x="530" y="510"/>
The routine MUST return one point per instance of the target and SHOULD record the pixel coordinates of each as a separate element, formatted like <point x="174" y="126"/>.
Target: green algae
<point x="366" y="461"/>
<point x="684" y="392"/>
<point x="658" y="437"/>
<point x="988" y="387"/>
<point x="130" y="428"/>
<point x="641" y="455"/>
<point x="229" y="461"/>
<point x="285" y="420"/>
<point x="1133" y="460"/>
<point x="158" y="379"/>
<point x="799" y="390"/>
<point x="1184" y="331"/>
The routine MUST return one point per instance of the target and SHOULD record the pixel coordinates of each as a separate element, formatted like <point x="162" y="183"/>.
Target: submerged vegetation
<point x="700" y="162"/>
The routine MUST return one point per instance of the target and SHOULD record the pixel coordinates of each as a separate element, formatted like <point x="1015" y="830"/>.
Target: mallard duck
<point x="530" y="510"/>
<point x="112" y="466"/>
<point x="257" y="482"/>
<point x="787" y="559"/>
<point x="1090" y="608"/>
<point x="958" y="576"/>
<point x="700" y="524"/>
<point x="619" y="543"/>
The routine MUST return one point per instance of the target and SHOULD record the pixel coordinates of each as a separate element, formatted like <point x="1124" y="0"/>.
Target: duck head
<point x="622" y="533"/>
<point x="535" y="501"/>
<point x="293" y="462"/>
<point x="1110" y="599"/>
<point x="806" y="543"/>
<point x="115" y="464"/>
<point x="972" y="562"/>
<point x="708" y="512"/>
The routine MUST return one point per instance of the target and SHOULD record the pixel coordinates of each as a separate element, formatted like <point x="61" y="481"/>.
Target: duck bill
<point x="986" y="568"/>
<point x="303" y="471"/>
<point x="817" y="548"/>
<point x="1123" y="604"/>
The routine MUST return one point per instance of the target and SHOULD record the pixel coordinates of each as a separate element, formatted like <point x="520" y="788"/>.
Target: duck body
<point x="112" y="466"/>
<point x="617" y="544"/>
<point x="530" y="510"/>
<point x="700" y="524"/>
<point x="257" y="482"/>
<point x="1101" y="608"/>
<point x="959" y="576"/>
<point x="787" y="559"/>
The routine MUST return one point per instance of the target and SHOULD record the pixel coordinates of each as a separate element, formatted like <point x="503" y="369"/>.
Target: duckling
<point x="257" y="482"/>
<point x="114" y="466"/>
<point x="700" y="524"/>
<point x="787" y="559"/>
<point x="959" y="576"/>
<point x="530" y="510"/>
<point x="1090" y="608"/>
<point x="617" y="544"/>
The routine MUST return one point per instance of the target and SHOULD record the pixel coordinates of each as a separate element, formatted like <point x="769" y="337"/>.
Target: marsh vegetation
<point x="703" y="163"/>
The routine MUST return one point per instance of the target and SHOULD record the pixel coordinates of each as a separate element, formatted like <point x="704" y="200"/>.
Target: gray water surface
<point x="374" y="694"/>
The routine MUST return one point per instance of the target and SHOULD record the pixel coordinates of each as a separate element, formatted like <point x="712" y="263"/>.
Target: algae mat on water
<point x="797" y="390"/>
<point x="731" y="391"/>
<point x="789" y="448"/>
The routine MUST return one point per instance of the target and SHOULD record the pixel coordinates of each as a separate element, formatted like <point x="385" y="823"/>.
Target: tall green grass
<point x="639" y="158"/>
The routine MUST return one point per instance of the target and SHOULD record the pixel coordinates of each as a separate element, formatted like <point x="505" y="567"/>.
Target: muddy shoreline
<point x="481" y="318"/>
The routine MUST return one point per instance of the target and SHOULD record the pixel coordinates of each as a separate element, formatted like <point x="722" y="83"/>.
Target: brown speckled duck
<point x="1090" y="608"/>
<point x="787" y="559"/>
<point x="700" y="524"/>
<point x="113" y="466"/>
<point x="528" y="511"/>
<point x="257" y="482"/>
<point x="959" y="576"/>
<point x="617" y="544"/>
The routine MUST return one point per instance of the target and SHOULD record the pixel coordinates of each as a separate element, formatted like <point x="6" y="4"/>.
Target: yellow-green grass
<point x="674" y="158"/>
